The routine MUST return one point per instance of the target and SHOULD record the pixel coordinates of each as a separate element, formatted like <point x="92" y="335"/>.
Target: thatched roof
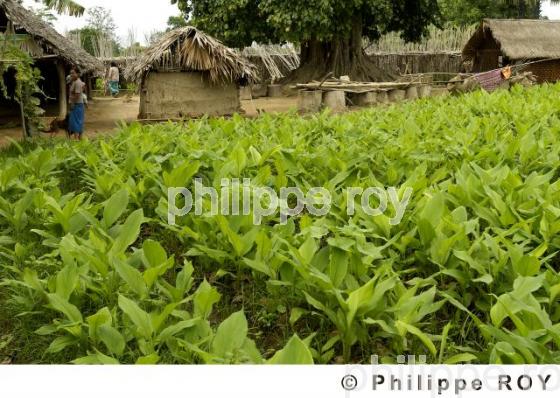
<point x="518" y="39"/>
<point x="189" y="49"/>
<point x="122" y="62"/>
<point x="49" y="39"/>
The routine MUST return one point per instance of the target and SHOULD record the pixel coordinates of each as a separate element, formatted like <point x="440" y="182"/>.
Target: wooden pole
<point x="23" y="123"/>
<point x="90" y="79"/>
<point x="62" y="95"/>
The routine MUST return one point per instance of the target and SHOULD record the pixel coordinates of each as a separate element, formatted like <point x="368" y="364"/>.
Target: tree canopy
<point x="466" y="12"/>
<point x="330" y="32"/>
<point x="98" y="37"/>
<point x="239" y="22"/>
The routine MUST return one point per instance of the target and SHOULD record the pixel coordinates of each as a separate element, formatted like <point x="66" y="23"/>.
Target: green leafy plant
<point x="91" y="271"/>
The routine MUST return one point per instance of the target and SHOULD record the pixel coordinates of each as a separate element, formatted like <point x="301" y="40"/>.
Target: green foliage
<point x="64" y="7"/>
<point x="98" y="37"/>
<point x="27" y="77"/>
<point x="466" y="12"/>
<point x="175" y="22"/>
<point x="239" y="22"/>
<point x="89" y="263"/>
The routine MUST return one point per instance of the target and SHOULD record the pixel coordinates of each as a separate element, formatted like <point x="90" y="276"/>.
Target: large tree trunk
<point x="339" y="56"/>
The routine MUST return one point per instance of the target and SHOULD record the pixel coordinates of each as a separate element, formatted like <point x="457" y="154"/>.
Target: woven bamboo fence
<point x="414" y="63"/>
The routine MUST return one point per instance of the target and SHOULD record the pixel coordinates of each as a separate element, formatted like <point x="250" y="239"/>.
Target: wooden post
<point x="90" y="79"/>
<point x="62" y="95"/>
<point x="310" y="100"/>
<point x="23" y="121"/>
<point x="334" y="100"/>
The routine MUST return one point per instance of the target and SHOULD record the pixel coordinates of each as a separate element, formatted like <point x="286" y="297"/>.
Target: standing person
<point x="114" y="77"/>
<point x="77" y="112"/>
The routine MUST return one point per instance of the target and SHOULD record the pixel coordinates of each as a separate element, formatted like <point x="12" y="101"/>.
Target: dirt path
<point x="269" y="105"/>
<point x="104" y="114"/>
<point x="102" y="117"/>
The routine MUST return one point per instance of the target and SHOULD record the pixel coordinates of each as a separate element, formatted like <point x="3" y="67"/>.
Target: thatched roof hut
<point x="46" y="41"/>
<point x="189" y="49"/>
<point x="53" y="54"/>
<point x="499" y="42"/>
<point x="188" y="74"/>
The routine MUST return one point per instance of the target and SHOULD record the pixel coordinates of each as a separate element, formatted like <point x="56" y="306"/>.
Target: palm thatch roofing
<point x="518" y="39"/>
<point x="189" y="49"/>
<point x="49" y="40"/>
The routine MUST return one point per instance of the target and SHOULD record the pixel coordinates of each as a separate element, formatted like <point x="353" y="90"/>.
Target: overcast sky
<point x="145" y="16"/>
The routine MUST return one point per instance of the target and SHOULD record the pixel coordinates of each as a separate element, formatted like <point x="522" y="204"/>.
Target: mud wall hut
<point x="189" y="74"/>
<point x="500" y="42"/>
<point x="54" y="56"/>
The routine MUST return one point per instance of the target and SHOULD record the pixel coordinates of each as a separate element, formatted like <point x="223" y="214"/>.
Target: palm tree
<point x="69" y="7"/>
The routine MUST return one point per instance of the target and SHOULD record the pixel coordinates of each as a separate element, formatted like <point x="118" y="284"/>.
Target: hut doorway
<point x="9" y="108"/>
<point x="51" y="97"/>
<point x="51" y="87"/>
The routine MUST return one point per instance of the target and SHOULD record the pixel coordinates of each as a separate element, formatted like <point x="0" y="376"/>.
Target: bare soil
<point x="104" y="115"/>
<point x="258" y="106"/>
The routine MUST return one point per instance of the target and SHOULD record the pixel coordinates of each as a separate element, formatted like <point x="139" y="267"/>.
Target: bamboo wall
<point x="396" y="63"/>
<point x="263" y="71"/>
<point x="425" y="62"/>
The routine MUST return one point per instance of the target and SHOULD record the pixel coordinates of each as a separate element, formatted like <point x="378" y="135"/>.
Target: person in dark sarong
<point x="77" y="110"/>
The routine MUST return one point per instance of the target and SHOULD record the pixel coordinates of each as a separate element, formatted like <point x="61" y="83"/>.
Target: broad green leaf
<point x="154" y="252"/>
<point x="129" y="232"/>
<point x="60" y="344"/>
<point x="338" y="266"/>
<point x="152" y="274"/>
<point x="151" y="359"/>
<point x="461" y="358"/>
<point x="112" y="339"/>
<point x="434" y="210"/>
<point x="235" y="240"/>
<point x="204" y="299"/>
<point x="367" y="297"/>
<point x="296" y="314"/>
<point x="132" y="277"/>
<point x="139" y="317"/>
<point x="294" y="353"/>
<point x="177" y="328"/>
<point x="96" y="359"/>
<point x="102" y="317"/>
<point x="66" y="280"/>
<point x="115" y="207"/>
<point x="230" y="335"/>
<point x="418" y="333"/>
<point x="527" y="266"/>
<point x="308" y="250"/>
<point x="526" y="285"/>
<point x="69" y="310"/>
<point x="342" y="243"/>
<point x="259" y="266"/>
<point x="181" y="175"/>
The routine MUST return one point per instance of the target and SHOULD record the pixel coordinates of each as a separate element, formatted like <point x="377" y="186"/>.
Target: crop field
<point x="91" y="271"/>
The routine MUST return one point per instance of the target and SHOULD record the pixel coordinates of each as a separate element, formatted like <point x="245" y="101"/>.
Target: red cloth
<point x="490" y="80"/>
